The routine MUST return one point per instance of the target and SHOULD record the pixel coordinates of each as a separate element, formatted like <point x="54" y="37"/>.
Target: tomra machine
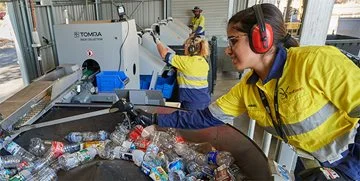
<point x="100" y="46"/>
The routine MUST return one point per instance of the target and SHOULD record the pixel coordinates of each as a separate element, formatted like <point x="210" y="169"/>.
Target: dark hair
<point x="244" y="20"/>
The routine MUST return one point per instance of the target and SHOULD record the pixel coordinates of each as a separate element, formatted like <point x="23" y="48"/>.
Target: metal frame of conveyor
<point x="33" y="101"/>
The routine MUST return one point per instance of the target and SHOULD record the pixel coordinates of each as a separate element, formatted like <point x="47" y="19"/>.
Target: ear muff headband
<point x="261" y="34"/>
<point x="193" y="48"/>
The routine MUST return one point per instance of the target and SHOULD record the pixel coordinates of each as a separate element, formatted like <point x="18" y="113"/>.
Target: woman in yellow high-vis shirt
<point x="307" y="96"/>
<point x="192" y="72"/>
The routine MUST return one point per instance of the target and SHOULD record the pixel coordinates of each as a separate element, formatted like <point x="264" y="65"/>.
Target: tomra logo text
<point x="87" y="34"/>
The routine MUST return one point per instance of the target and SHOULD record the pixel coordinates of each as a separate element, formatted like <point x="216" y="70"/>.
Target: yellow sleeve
<point x="202" y="21"/>
<point x="178" y="62"/>
<point x="338" y="78"/>
<point x="232" y="103"/>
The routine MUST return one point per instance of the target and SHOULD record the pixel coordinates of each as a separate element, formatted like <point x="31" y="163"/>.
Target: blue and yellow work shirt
<point x="192" y="74"/>
<point x="319" y="105"/>
<point x="198" y="25"/>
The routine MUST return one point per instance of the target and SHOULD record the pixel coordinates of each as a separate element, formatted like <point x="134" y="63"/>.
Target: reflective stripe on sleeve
<point x="332" y="151"/>
<point x="216" y="111"/>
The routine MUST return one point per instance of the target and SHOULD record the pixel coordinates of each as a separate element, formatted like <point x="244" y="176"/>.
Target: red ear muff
<point x="261" y="34"/>
<point x="261" y="42"/>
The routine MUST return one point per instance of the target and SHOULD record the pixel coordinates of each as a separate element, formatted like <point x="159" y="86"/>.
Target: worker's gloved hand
<point x="146" y="118"/>
<point x="169" y="71"/>
<point x="121" y="106"/>
<point x="192" y="34"/>
<point x="155" y="37"/>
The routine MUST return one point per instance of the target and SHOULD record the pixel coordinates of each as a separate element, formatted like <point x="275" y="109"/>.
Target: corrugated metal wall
<point x="144" y="12"/>
<point x="215" y="12"/>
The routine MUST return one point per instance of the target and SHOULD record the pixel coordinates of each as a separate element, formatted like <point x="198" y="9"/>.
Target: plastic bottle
<point x="138" y="157"/>
<point x="69" y="161"/>
<point x="136" y="133"/>
<point x="21" y="176"/>
<point x="184" y="151"/>
<point x="177" y="175"/>
<point x="220" y="158"/>
<point x="45" y="174"/>
<point x="235" y="173"/>
<point x="142" y="143"/>
<point x="76" y="137"/>
<point x="221" y="174"/>
<point x="163" y="140"/>
<point x="194" y="170"/>
<point x="9" y="161"/>
<point x="119" y="135"/>
<point x="17" y="150"/>
<point x="39" y="147"/>
<point x="112" y="151"/>
<point x="5" y="174"/>
<point x="94" y="144"/>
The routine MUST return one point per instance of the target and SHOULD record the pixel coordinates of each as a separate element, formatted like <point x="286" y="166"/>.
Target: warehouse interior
<point x="65" y="65"/>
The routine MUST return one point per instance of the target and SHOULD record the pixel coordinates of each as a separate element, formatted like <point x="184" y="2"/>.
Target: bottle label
<point x="103" y="135"/>
<point x="146" y="168"/>
<point x="159" y="174"/>
<point x="57" y="148"/>
<point x="74" y="137"/>
<point x="221" y="174"/>
<point x="212" y="157"/>
<point x="13" y="148"/>
<point x="176" y="165"/>
<point x="84" y="156"/>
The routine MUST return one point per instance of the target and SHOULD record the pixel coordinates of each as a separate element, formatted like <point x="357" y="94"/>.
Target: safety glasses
<point x="232" y="40"/>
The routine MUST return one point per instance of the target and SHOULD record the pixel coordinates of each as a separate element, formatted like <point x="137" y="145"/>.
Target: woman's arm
<point x="162" y="49"/>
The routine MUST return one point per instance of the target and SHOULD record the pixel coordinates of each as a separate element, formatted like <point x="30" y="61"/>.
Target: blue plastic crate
<point x="145" y="81"/>
<point x="165" y="85"/>
<point x="108" y="81"/>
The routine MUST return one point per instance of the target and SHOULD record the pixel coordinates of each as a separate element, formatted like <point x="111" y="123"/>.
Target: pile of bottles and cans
<point x="162" y="155"/>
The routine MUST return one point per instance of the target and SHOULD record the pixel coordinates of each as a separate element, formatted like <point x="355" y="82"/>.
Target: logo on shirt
<point x="252" y="105"/>
<point x="284" y="93"/>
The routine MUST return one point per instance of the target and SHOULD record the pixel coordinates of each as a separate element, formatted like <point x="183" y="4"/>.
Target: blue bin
<point x="165" y="85"/>
<point x="108" y="81"/>
<point x="145" y="81"/>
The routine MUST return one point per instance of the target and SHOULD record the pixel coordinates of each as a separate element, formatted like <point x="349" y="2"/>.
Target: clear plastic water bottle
<point x="16" y="150"/>
<point x="76" y="137"/>
<point x="21" y="176"/>
<point x="45" y="174"/>
<point x="163" y="140"/>
<point x="235" y="173"/>
<point x="220" y="158"/>
<point x="23" y="165"/>
<point x="184" y="151"/>
<point x="9" y="161"/>
<point x="119" y="135"/>
<point x="177" y="175"/>
<point x="201" y="159"/>
<point x="6" y="174"/>
<point x="111" y="151"/>
<point x="194" y="170"/>
<point x="39" y="147"/>
<point x="69" y="161"/>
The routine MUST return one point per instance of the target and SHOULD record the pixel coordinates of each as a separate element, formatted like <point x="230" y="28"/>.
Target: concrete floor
<point x="10" y="76"/>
